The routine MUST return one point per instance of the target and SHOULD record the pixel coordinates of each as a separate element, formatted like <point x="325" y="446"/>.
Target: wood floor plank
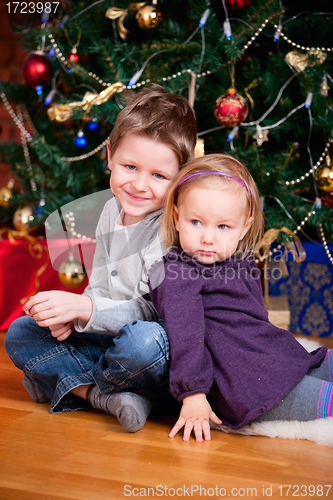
<point x="86" y="455"/>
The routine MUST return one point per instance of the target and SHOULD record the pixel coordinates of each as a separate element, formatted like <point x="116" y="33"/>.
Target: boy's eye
<point x="223" y="227"/>
<point x="130" y="167"/>
<point x="195" y="222"/>
<point x="159" y="176"/>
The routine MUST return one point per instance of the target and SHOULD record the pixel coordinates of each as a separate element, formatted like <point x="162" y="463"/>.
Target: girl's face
<point x="211" y="221"/>
<point x="142" y="170"/>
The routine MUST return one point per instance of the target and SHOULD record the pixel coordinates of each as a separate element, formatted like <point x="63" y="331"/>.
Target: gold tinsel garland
<point x="63" y="112"/>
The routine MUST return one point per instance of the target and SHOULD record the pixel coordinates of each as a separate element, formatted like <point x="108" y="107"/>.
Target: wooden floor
<point x="86" y="455"/>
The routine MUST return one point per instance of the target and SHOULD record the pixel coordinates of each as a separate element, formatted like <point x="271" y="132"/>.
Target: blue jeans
<point x="136" y="360"/>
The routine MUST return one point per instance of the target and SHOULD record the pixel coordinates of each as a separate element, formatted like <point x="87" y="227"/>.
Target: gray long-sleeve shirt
<point x="118" y="284"/>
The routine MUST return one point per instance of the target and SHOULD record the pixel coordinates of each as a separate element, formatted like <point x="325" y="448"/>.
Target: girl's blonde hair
<point x="215" y="163"/>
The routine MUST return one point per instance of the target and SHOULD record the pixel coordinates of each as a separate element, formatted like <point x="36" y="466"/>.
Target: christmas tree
<point x="258" y="74"/>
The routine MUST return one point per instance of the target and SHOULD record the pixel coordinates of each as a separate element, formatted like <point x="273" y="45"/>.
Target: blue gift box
<point x="309" y="288"/>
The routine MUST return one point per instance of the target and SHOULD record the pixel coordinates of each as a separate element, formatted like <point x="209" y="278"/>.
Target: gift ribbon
<point x="35" y="250"/>
<point x="120" y="14"/>
<point x="63" y="112"/>
<point x="294" y="246"/>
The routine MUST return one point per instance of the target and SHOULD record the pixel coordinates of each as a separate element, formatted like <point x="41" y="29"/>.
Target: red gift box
<point x="26" y="268"/>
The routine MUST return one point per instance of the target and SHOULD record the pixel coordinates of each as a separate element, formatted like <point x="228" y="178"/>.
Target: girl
<point x="228" y="362"/>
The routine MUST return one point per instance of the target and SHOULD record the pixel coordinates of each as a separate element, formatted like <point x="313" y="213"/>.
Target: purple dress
<point x="221" y="341"/>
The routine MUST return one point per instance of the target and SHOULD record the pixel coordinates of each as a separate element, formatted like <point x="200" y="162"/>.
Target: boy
<point x="154" y="135"/>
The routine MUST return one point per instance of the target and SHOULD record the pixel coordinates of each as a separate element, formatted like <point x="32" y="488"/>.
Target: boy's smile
<point x="141" y="172"/>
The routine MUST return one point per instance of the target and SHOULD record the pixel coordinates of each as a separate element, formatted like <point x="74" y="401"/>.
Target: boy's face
<point x="141" y="172"/>
<point x="211" y="222"/>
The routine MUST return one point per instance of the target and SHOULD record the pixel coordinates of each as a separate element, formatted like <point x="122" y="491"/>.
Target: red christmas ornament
<point x="328" y="199"/>
<point x="230" y="109"/>
<point x="237" y="4"/>
<point x="37" y="69"/>
<point x="73" y="56"/>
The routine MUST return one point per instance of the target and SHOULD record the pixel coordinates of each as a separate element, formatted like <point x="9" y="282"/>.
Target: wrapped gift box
<point x="25" y="269"/>
<point x="309" y="288"/>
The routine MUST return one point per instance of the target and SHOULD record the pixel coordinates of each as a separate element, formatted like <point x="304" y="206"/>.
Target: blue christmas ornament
<point x="80" y="142"/>
<point x="93" y="126"/>
<point x="40" y="208"/>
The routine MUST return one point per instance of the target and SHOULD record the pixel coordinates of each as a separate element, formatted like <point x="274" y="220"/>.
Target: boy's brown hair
<point x="216" y="163"/>
<point x="158" y="115"/>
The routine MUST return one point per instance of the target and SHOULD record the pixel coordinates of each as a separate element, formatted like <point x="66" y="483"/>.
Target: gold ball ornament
<point x="71" y="273"/>
<point x="230" y="109"/>
<point x="324" y="176"/>
<point x="149" y="16"/>
<point x="6" y="193"/>
<point x="22" y="218"/>
<point x="5" y="196"/>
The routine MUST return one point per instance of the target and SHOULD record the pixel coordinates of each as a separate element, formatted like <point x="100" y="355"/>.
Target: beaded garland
<point x="322" y="235"/>
<point x="71" y="219"/>
<point x="312" y="170"/>
<point x="297" y="45"/>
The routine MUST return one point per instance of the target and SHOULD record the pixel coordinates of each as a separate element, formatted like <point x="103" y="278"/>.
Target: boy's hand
<point x="195" y="415"/>
<point x="62" y="331"/>
<point x="57" y="307"/>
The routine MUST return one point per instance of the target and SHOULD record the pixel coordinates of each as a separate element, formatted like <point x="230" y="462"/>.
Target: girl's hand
<point x="56" y="307"/>
<point x="195" y="415"/>
<point x="62" y="331"/>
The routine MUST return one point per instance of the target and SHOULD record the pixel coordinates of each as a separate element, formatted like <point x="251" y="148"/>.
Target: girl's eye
<point x="159" y="176"/>
<point x="223" y="227"/>
<point x="195" y="223"/>
<point x="130" y="167"/>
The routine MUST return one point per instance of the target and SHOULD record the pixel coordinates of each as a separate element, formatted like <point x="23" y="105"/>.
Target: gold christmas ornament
<point x="63" y="112"/>
<point x="324" y="176"/>
<point x="71" y="272"/>
<point x="22" y="218"/>
<point x="199" y="148"/>
<point x="6" y="193"/>
<point x="147" y="14"/>
<point x="301" y="61"/>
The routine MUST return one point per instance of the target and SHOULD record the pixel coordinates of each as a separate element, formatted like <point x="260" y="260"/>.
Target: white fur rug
<point x="320" y="431"/>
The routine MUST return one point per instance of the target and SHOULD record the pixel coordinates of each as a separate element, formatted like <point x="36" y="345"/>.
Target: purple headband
<point x="212" y="172"/>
